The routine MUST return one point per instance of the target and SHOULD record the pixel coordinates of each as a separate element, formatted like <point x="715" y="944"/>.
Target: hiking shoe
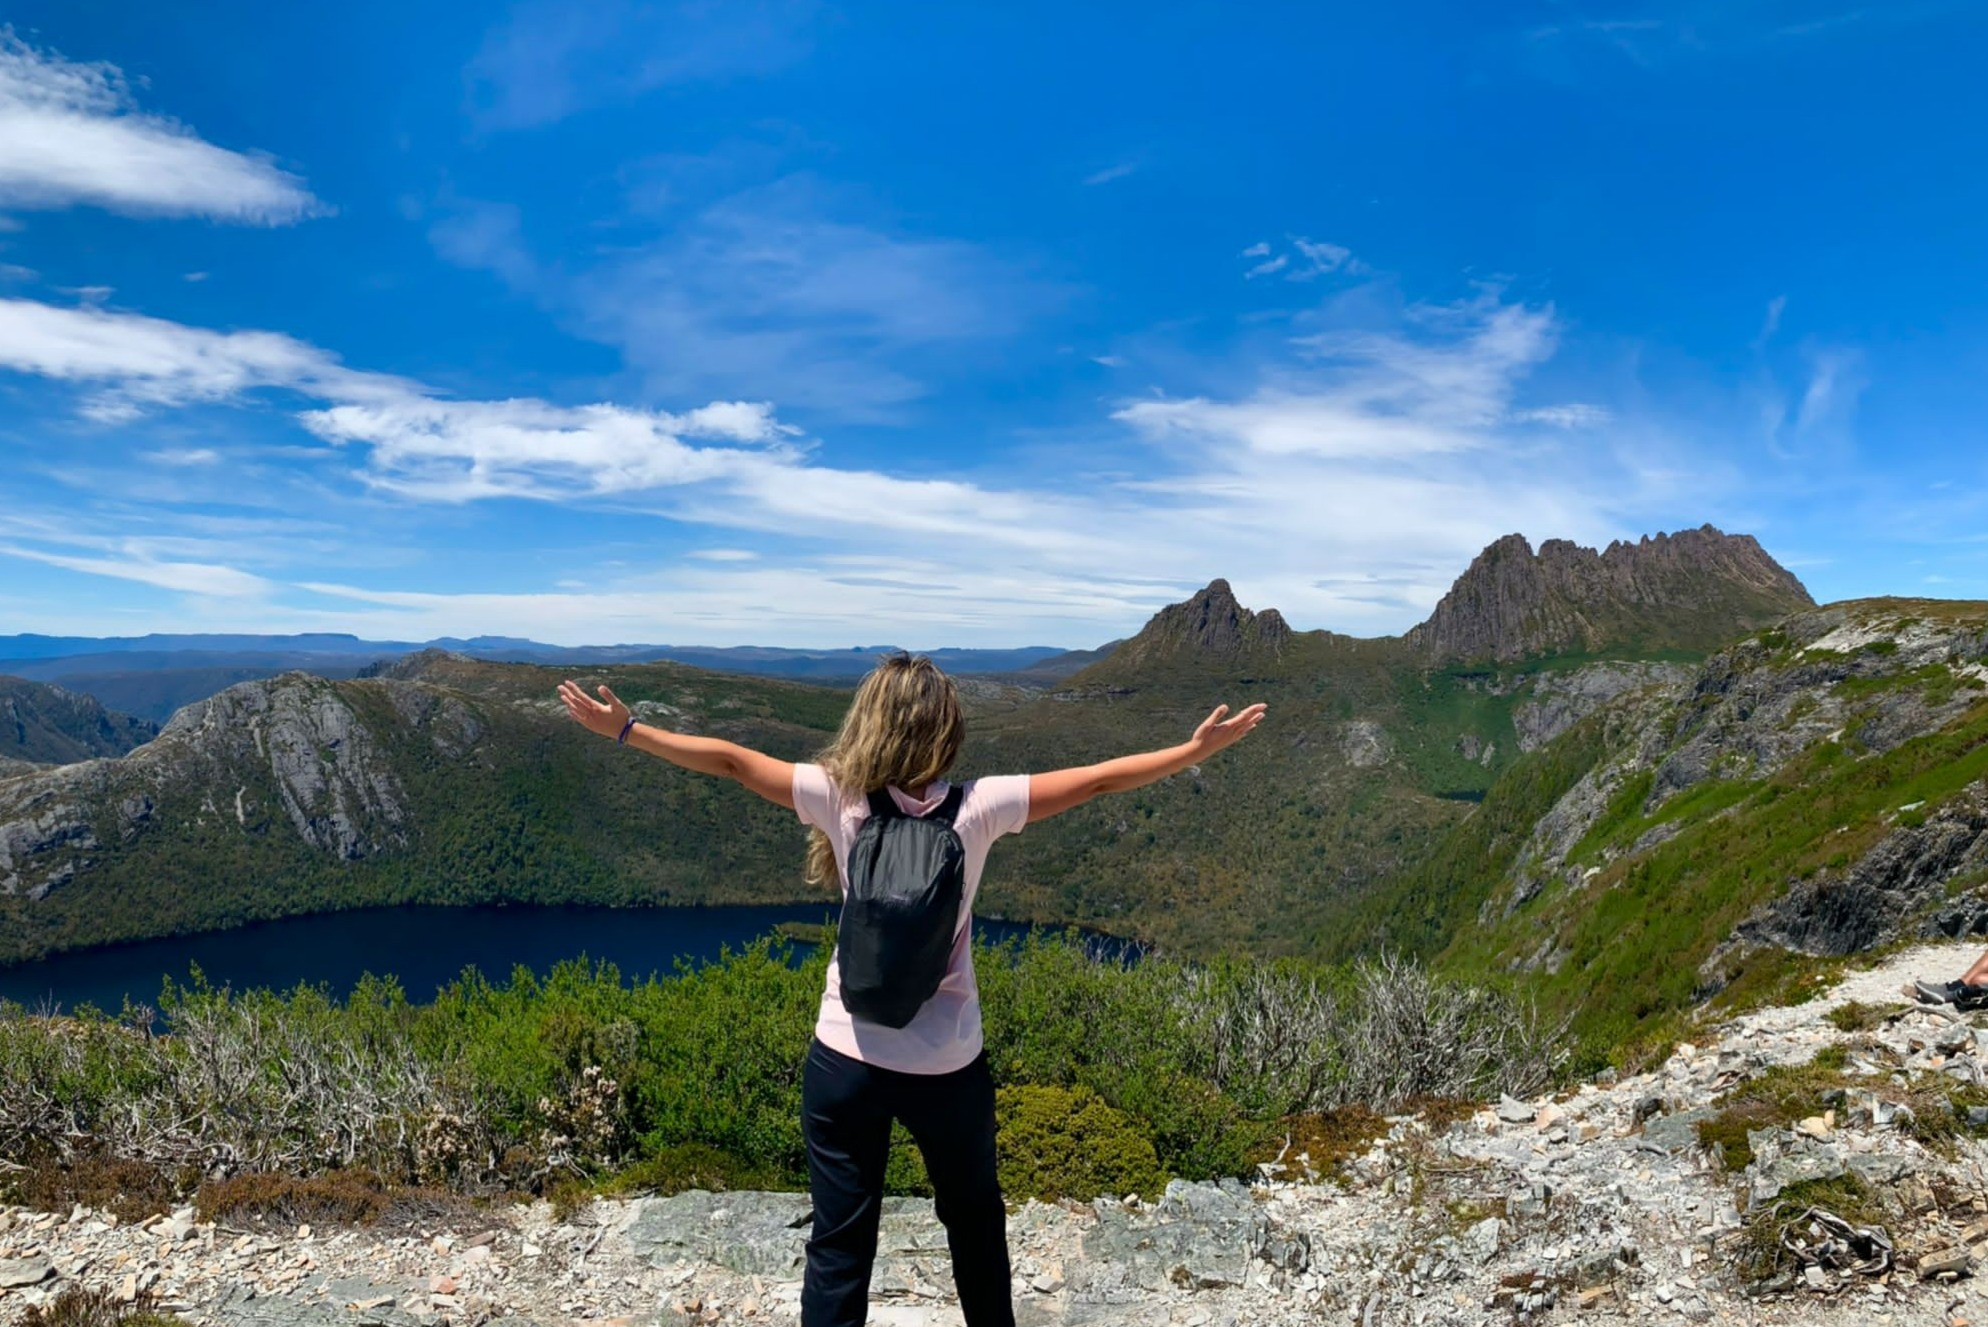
<point x="1971" y="998"/>
<point x="1946" y="992"/>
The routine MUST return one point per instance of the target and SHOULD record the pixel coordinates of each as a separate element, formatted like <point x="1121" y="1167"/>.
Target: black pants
<point x="846" y="1112"/>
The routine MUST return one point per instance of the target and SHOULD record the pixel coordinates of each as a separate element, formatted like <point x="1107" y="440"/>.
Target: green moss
<point x="1319" y="1144"/>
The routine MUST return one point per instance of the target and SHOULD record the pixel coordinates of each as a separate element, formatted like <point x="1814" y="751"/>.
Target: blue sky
<point x="791" y="323"/>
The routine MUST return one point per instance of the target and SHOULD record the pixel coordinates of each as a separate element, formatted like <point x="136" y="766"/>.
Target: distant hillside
<point x="153" y="685"/>
<point x="451" y="779"/>
<point x="1688" y="591"/>
<point x="48" y="725"/>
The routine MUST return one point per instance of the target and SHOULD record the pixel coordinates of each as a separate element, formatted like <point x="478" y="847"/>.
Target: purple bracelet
<point x="625" y="729"/>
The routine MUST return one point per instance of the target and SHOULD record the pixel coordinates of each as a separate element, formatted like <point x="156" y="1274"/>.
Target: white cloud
<point x="1110" y="173"/>
<point x="461" y="451"/>
<point x="135" y="361"/>
<point x="739" y="421"/>
<point x="71" y="134"/>
<point x="197" y="578"/>
<point x="725" y="554"/>
<point x="1268" y="267"/>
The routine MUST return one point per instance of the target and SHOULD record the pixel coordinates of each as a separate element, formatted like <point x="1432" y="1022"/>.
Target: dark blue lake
<point x="425" y="947"/>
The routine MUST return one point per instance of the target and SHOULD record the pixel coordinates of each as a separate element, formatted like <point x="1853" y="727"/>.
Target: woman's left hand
<point x="606" y="716"/>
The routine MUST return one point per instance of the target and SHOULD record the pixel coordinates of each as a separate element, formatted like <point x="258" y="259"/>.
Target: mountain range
<point x="1606" y="773"/>
<point x="152" y="676"/>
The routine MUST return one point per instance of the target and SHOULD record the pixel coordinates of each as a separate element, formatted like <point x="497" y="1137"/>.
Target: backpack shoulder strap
<point x="882" y="805"/>
<point x="948" y="811"/>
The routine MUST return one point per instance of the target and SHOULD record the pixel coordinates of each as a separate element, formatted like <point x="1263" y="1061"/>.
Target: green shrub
<point x="1055" y="1143"/>
<point x="686" y="1166"/>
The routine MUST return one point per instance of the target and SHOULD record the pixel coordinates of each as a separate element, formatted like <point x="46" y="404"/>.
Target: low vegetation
<point x="77" y="1307"/>
<point x="300" y="1107"/>
<point x="1779" y="1098"/>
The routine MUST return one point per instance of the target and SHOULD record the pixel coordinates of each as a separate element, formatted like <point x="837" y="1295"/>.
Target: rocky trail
<point x="1595" y="1205"/>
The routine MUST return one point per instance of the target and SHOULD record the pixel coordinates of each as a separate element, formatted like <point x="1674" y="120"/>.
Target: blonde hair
<point x="903" y="729"/>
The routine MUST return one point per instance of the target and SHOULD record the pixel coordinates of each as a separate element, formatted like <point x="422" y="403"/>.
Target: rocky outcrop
<point x="1890" y="890"/>
<point x="1558" y="700"/>
<point x="46" y="724"/>
<point x="292" y="754"/>
<point x="1211" y="625"/>
<point x="1694" y="590"/>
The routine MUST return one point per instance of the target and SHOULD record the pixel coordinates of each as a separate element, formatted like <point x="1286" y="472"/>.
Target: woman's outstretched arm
<point x="1054" y="793"/>
<point x="770" y="778"/>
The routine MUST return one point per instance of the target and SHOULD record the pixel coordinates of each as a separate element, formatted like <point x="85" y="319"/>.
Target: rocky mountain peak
<point x="1691" y="590"/>
<point x="1212" y="622"/>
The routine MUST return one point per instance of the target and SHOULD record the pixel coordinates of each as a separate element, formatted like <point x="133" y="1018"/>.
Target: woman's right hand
<point x="606" y="716"/>
<point x="1217" y="732"/>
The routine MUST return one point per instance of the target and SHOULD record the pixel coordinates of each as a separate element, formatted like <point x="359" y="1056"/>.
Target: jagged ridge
<point x="1693" y="590"/>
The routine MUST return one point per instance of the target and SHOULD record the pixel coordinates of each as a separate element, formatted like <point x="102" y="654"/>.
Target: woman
<point x="903" y="730"/>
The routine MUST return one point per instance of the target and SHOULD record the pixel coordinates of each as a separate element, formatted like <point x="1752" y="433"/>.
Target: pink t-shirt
<point x="944" y="1034"/>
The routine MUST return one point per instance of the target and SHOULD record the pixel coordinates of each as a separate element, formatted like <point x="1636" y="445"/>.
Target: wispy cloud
<point x="1770" y="322"/>
<point x="1820" y="417"/>
<point x="1821" y="23"/>
<point x="1305" y="259"/>
<point x="72" y="134"/>
<point x="548" y="59"/>
<point x="197" y="578"/>
<point x="1573" y="415"/>
<point x="782" y="286"/>
<point x="1836" y="379"/>
<point x="185" y="456"/>
<point x="1110" y="173"/>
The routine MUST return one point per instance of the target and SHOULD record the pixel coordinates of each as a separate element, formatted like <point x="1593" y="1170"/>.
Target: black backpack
<point x="907" y="877"/>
